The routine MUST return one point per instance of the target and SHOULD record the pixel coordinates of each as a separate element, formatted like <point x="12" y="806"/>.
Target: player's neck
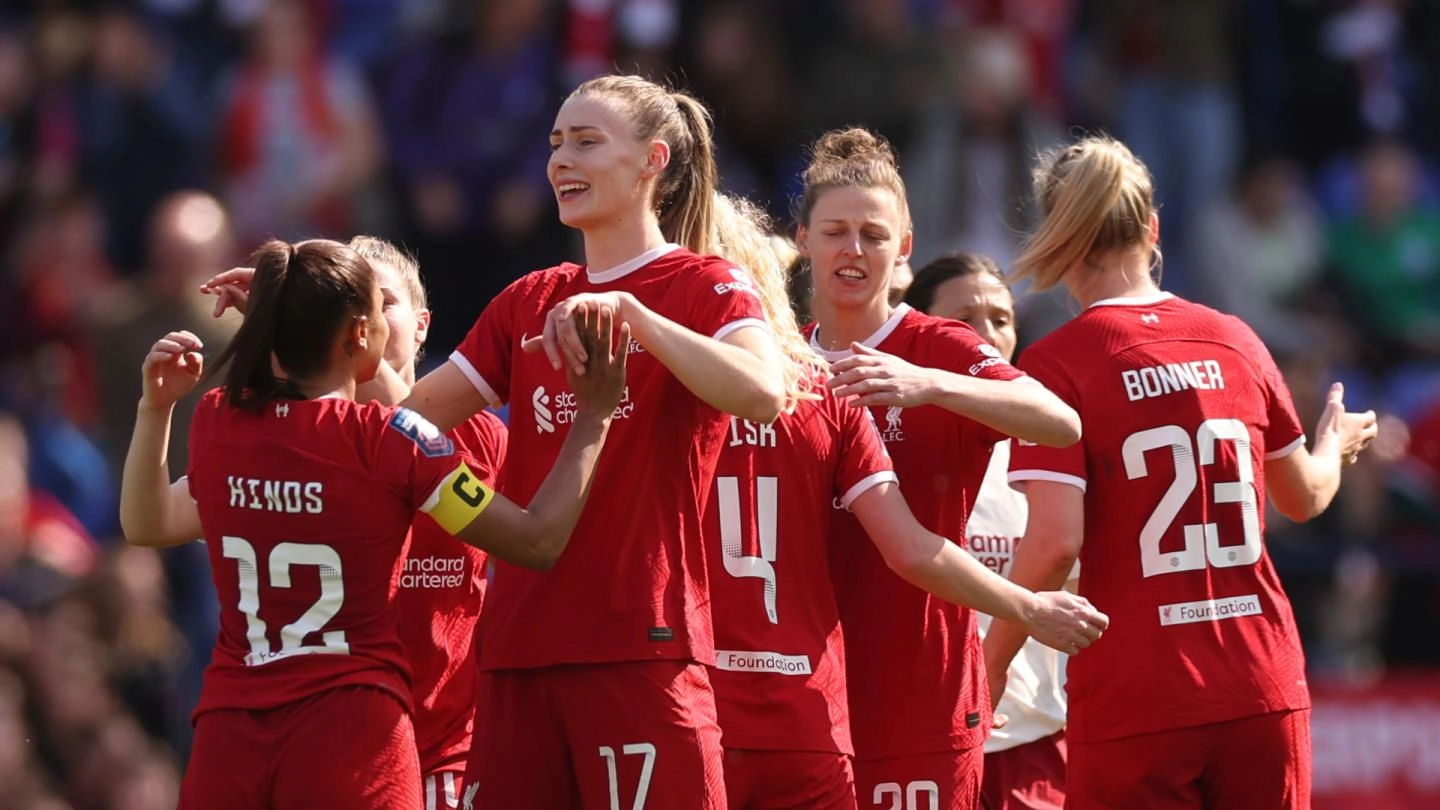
<point x="841" y="326"/>
<point x="337" y="384"/>
<point x="1125" y="275"/>
<point x="614" y="245"/>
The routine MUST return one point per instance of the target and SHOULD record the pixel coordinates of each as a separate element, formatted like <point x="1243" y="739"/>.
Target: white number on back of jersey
<point x="908" y="798"/>
<point x="292" y="636"/>
<point x="767" y="502"/>
<point x="1202" y="541"/>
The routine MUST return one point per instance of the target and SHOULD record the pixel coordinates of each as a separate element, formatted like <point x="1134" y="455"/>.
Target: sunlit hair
<point x="928" y="279"/>
<point x="301" y="297"/>
<point x="742" y="235"/>
<point x="684" y="196"/>
<point x="375" y="249"/>
<point x="851" y="158"/>
<point x="1094" y="196"/>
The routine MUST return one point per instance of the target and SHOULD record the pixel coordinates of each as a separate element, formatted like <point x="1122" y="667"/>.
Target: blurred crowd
<point x="146" y="145"/>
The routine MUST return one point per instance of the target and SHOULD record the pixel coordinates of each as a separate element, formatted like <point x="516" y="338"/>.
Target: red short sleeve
<point x="725" y="300"/>
<point x="1032" y="462"/>
<point x="484" y="356"/>
<point x="863" y="460"/>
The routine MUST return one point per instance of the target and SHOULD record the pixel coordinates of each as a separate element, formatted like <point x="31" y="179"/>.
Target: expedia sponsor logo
<point x="759" y="661"/>
<point x="1210" y="610"/>
<point x="741" y="283"/>
<point x="561" y="407"/>
<point x="984" y="364"/>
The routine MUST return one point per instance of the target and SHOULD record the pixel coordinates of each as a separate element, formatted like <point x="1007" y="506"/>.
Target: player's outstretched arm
<point x="930" y="562"/>
<point x="153" y="511"/>
<point x="534" y="537"/>
<point x="1044" y="559"/>
<point x="1302" y="483"/>
<point x="740" y="374"/>
<point x="1020" y="408"/>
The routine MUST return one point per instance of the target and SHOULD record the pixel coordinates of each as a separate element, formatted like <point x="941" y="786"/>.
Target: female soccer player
<point x="600" y="664"/>
<point x="942" y="398"/>
<point x="443" y="584"/>
<point x="780" y="664"/>
<point x="1024" y="759"/>
<point x="305" y="499"/>
<point x="1197" y="697"/>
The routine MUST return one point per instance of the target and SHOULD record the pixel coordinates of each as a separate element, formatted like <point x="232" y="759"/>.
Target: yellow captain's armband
<point x="459" y="499"/>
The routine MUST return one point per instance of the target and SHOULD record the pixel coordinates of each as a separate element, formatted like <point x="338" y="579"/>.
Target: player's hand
<point x="561" y="339"/>
<point x="1066" y="622"/>
<point x="875" y="378"/>
<point x="1353" y="432"/>
<point x="171" y="370"/>
<point x="231" y="289"/>
<point x="599" y="385"/>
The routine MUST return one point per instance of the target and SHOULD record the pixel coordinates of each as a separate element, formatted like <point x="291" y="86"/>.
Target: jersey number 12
<point x="282" y="558"/>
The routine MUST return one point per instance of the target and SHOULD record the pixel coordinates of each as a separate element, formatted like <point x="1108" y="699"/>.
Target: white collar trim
<point x="873" y="341"/>
<point x="1134" y="301"/>
<point x="626" y="268"/>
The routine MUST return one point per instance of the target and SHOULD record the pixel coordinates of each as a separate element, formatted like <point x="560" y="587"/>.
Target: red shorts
<point x="597" y="736"/>
<point x="945" y="781"/>
<point x="347" y="747"/>
<point x="776" y="780"/>
<point x="443" y="790"/>
<point x="1026" y="777"/>
<point x="1255" y="763"/>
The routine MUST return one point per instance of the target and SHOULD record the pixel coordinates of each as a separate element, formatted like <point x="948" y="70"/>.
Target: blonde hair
<point x="375" y="249"/>
<point x="1094" y="196"/>
<point x="851" y="158"/>
<point x="741" y="234"/>
<point x="684" y="196"/>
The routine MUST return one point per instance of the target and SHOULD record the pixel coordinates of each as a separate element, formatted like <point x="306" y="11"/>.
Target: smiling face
<point x="984" y="302"/>
<point x="408" y="325"/>
<point x="855" y="238"/>
<point x="600" y="171"/>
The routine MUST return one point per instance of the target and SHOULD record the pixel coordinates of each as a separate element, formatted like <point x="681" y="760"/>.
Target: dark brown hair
<point x="928" y="279"/>
<point x="302" y="295"/>
<point x="851" y="158"/>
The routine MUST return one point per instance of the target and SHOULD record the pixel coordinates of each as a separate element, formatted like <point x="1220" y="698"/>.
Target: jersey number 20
<point x="282" y="558"/>
<point x="1202" y="541"/>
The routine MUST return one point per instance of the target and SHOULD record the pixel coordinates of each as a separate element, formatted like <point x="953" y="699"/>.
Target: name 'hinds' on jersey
<point x="306" y="507"/>
<point x="1182" y="406"/>
<point x="780" y="668"/>
<point x="897" y="635"/>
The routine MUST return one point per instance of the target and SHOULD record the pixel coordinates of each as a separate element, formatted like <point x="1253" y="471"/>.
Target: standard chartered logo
<point x="561" y="407"/>
<point x="544" y="419"/>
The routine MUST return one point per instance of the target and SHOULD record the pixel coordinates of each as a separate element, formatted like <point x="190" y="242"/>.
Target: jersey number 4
<point x="1202" y="540"/>
<point x="282" y="558"/>
<point x="767" y="501"/>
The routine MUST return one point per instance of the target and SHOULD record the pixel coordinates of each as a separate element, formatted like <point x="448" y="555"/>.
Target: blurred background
<point x="146" y="145"/>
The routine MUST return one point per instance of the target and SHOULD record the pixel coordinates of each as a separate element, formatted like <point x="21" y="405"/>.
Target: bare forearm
<point x="145" y="485"/>
<point x="1027" y="411"/>
<point x="1037" y="567"/>
<point x="729" y="378"/>
<point x="950" y="573"/>
<point x="557" y="505"/>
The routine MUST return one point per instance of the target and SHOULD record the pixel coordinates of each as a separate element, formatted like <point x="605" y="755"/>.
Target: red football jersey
<point x="780" y="665"/>
<point x="1182" y="406"/>
<point x="914" y="665"/>
<point x="635" y="561"/>
<point x="306" y="508"/>
<point x="441" y="592"/>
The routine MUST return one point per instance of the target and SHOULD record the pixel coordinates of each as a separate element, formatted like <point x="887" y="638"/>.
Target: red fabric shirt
<point x="442" y="589"/>
<point x="1182" y="406"/>
<point x="632" y="583"/>
<point x="306" y="508"/>
<point x="913" y="661"/>
<point x="780" y="664"/>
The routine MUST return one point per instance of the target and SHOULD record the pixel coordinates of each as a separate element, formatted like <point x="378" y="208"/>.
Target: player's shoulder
<point x="481" y="430"/>
<point x="407" y="429"/>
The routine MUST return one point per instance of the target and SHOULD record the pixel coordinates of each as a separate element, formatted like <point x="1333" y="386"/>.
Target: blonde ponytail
<point x="741" y="234"/>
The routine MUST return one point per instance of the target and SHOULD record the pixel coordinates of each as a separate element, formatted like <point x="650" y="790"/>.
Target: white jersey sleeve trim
<point x="866" y="484"/>
<point x="1019" y="476"/>
<point x="735" y="326"/>
<point x="1286" y="450"/>
<point x="462" y="363"/>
